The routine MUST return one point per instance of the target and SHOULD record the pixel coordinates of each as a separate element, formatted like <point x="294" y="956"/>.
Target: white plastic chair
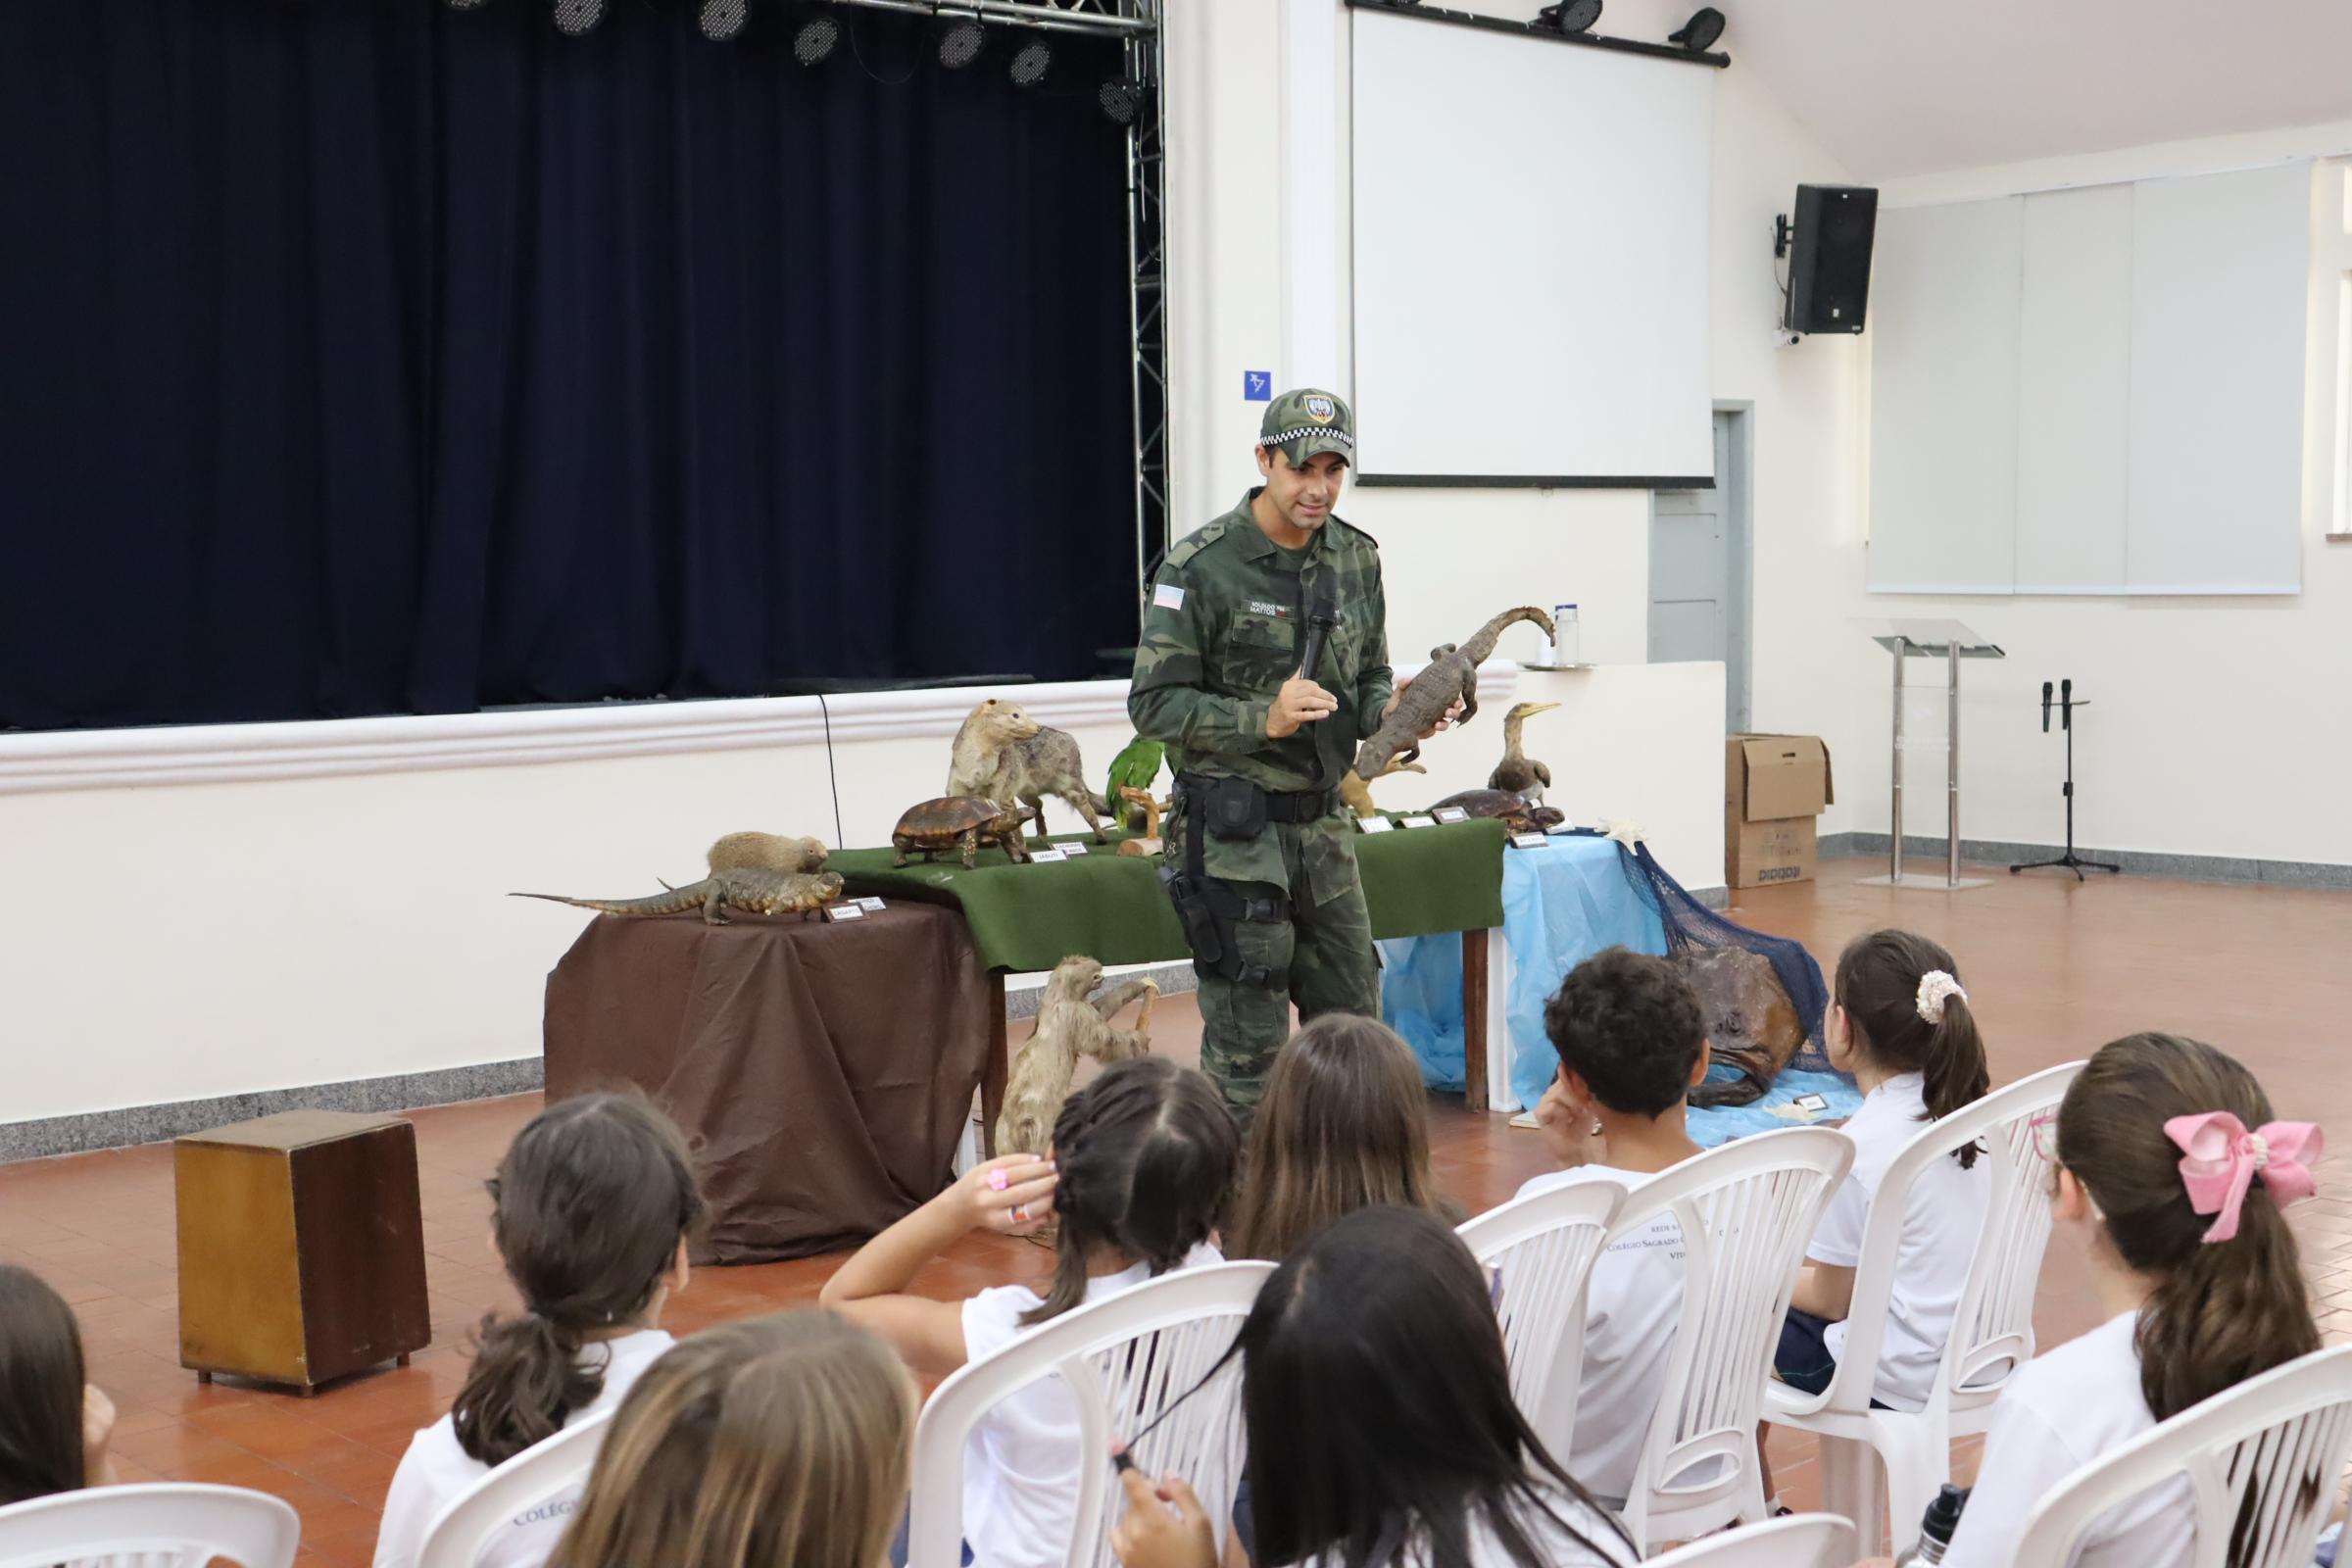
<point x="1803" y="1540"/>
<point x="1542" y="1251"/>
<point x="1124" y="1360"/>
<point x="2263" y="1458"/>
<point x="541" y="1472"/>
<point x="166" y="1524"/>
<point x="1992" y="1333"/>
<point x="1746" y="1211"/>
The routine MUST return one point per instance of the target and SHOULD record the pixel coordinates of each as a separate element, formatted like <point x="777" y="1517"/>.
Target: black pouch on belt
<point x="1231" y="808"/>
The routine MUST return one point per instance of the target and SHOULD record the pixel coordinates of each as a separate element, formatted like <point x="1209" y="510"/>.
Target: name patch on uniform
<point x="1259" y="607"/>
<point x="1167" y="596"/>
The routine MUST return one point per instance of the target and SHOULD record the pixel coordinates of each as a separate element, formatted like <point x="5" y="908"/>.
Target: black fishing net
<point x="1692" y="924"/>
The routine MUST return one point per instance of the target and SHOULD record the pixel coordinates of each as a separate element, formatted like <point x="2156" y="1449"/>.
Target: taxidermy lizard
<point x="754" y="891"/>
<point x="1451" y="673"/>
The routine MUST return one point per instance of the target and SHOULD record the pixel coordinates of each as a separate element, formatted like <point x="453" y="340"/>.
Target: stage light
<point x="1569" y="16"/>
<point x="960" y="40"/>
<point x="1122" y="99"/>
<point x="722" y="19"/>
<point x="814" y="39"/>
<point x="577" y="17"/>
<point x="1030" y="64"/>
<point x="1700" y="31"/>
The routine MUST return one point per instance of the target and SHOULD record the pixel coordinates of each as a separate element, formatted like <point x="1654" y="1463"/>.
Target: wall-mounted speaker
<point x="1829" y="258"/>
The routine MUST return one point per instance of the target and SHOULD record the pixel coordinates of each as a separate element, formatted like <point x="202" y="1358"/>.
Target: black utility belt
<point x="1236" y="808"/>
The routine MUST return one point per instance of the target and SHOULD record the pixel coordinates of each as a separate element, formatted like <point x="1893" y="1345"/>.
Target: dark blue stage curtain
<point x="371" y="357"/>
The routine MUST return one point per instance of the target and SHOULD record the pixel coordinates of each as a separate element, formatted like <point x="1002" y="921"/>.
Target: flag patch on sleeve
<point x="1167" y="596"/>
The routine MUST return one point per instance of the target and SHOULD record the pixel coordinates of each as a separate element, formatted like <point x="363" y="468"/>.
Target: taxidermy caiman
<point x="751" y="890"/>
<point x="1451" y="673"/>
<point x="1752" y="1024"/>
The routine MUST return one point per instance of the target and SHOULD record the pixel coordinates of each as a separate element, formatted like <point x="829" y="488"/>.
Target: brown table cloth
<point x="824" y="1069"/>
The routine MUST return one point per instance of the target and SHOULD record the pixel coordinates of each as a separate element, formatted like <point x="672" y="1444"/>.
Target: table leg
<point x="995" y="1067"/>
<point x="1474" y="1019"/>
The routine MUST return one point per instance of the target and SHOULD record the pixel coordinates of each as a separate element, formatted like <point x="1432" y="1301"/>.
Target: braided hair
<point x="1146" y="1154"/>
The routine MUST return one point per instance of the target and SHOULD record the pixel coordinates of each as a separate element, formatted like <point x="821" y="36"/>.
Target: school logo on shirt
<point x="1320" y="409"/>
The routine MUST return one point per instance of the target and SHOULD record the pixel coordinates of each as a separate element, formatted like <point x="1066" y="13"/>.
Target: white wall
<point x="168" y="940"/>
<point x="2219" y="725"/>
<point x="1455" y="557"/>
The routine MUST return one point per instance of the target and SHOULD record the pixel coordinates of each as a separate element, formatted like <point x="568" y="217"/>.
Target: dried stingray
<point x="1752" y="1024"/>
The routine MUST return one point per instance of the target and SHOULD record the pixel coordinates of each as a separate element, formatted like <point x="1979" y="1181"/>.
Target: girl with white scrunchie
<point x="1901" y="1023"/>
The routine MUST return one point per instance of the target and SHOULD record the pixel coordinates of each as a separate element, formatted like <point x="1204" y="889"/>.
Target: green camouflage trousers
<point x="1325" y="949"/>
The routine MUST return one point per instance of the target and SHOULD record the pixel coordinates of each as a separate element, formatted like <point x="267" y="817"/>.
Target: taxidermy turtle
<point x="957" y="821"/>
<point x="1752" y="1024"/>
<point x="1516" y="813"/>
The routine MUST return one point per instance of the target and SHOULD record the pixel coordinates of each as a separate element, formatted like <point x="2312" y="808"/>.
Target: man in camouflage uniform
<point x="1260" y="859"/>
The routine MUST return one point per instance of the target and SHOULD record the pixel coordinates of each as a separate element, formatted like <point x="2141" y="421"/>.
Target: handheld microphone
<point x="2046" y="708"/>
<point x="1321" y="621"/>
<point x="2066" y="704"/>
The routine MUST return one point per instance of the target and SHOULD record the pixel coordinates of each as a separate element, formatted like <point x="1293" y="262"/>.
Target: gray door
<point x="1698" y="569"/>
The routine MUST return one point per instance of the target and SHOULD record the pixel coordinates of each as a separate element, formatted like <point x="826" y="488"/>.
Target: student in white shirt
<point x="1901" y="1024"/>
<point x="777" y="1440"/>
<point x="1141" y="1168"/>
<point x="1631" y="1041"/>
<point x="1376" y="1405"/>
<point x="2178" y="1211"/>
<point x="591" y="1211"/>
<point x="1344" y="1125"/>
<point x="54" y="1426"/>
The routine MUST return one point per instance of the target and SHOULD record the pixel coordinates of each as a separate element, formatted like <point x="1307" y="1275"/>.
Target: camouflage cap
<point x="1306" y="421"/>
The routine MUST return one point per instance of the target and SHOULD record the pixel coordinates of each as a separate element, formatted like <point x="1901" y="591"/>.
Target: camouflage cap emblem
<point x="1303" y="422"/>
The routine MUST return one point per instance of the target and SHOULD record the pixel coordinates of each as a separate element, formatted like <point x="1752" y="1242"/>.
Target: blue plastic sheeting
<point x="1561" y="904"/>
<point x="1723" y="1123"/>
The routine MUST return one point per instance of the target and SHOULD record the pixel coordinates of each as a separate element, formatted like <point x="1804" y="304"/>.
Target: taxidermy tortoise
<point x="957" y="821"/>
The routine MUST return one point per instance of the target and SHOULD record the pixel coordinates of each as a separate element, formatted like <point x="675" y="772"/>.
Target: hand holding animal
<point x="1003" y="754"/>
<point x="1068" y="1026"/>
<point x="1449" y="676"/>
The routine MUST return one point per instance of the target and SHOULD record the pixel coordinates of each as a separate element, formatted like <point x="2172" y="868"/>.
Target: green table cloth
<point x="1111" y="907"/>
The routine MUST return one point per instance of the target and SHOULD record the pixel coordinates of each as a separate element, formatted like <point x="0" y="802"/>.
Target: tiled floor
<point x="2053" y="968"/>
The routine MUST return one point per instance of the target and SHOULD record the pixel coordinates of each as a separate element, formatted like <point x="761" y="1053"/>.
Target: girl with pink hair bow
<point x="2169" y="1173"/>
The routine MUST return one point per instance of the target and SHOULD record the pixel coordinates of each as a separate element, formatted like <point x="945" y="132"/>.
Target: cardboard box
<point x="1773" y="787"/>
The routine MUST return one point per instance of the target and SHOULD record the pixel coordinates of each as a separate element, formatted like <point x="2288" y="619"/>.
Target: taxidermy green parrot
<point x="1134" y="769"/>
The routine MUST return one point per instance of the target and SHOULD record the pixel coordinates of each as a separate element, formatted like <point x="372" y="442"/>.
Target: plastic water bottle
<point x="1563" y="634"/>
<point x="1935" y="1527"/>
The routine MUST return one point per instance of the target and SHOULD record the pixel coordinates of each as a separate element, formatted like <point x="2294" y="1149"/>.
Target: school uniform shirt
<point x="1940" y="1224"/>
<point x="435" y="1470"/>
<point x="2063" y="1410"/>
<point x="1557" y="1547"/>
<point x="1022" y="1465"/>
<point x="1633" y="1306"/>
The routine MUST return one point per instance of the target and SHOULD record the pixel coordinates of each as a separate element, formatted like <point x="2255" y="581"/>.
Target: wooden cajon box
<point x="301" y="1247"/>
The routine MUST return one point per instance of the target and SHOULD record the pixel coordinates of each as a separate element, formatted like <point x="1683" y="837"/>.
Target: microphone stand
<point x="2070" y="860"/>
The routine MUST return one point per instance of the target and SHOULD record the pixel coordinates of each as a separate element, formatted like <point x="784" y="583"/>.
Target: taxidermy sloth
<point x="1068" y="1026"/>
